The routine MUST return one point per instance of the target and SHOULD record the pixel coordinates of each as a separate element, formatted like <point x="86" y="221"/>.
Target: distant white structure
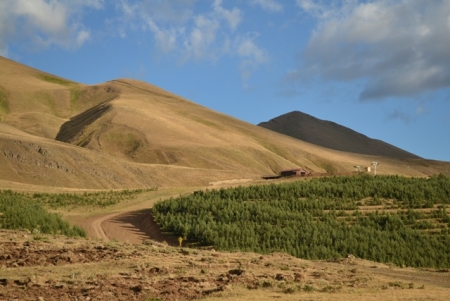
<point x="357" y="168"/>
<point x="367" y="169"/>
<point x="375" y="164"/>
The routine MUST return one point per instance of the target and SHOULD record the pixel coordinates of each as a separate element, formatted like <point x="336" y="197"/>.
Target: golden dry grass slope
<point x="128" y="134"/>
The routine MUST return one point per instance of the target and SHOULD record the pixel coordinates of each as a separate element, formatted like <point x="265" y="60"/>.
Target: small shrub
<point x="266" y="284"/>
<point x="330" y="289"/>
<point x="291" y="290"/>
<point x="396" y="284"/>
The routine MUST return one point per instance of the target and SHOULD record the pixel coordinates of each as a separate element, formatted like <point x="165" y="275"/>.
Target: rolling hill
<point x="332" y="135"/>
<point x="130" y="134"/>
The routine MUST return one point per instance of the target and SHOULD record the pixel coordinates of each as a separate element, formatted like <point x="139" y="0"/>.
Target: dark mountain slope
<point x="332" y="135"/>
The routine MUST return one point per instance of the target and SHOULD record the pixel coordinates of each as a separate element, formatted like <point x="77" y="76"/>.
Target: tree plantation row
<point x="16" y="212"/>
<point x="94" y="199"/>
<point x="29" y="210"/>
<point x="389" y="219"/>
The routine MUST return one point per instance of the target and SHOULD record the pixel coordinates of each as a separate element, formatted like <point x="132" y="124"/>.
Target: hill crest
<point x="332" y="135"/>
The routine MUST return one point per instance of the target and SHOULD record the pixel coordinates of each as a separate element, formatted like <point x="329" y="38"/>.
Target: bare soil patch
<point x="135" y="227"/>
<point x="57" y="268"/>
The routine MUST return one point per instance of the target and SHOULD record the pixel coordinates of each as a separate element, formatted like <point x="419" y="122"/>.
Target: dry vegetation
<point x="130" y="134"/>
<point x="58" y="268"/>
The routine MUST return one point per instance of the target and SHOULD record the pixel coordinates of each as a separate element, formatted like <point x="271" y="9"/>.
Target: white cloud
<point x="175" y="26"/>
<point x="398" y="47"/>
<point x="202" y="37"/>
<point x="128" y="10"/>
<point x="43" y="22"/>
<point x="248" y="49"/>
<point x="269" y="5"/>
<point x="207" y="38"/>
<point x="82" y="37"/>
<point x="166" y="39"/>
<point x="251" y="55"/>
<point x="178" y="28"/>
<point x="49" y="17"/>
<point x="233" y="16"/>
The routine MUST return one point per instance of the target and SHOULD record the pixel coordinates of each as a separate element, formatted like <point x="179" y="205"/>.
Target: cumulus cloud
<point x="269" y="5"/>
<point x="43" y="22"/>
<point x="82" y="37"/>
<point x="202" y="37"/>
<point x="396" y="47"/>
<point x="177" y="27"/>
<point x="233" y="16"/>
<point x="252" y="56"/>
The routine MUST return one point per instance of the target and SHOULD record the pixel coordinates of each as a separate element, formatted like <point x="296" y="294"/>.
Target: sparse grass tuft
<point x="292" y="289"/>
<point x="4" y="104"/>
<point x="126" y="142"/>
<point x="45" y="98"/>
<point x="75" y="94"/>
<point x="330" y="289"/>
<point x="54" y="79"/>
<point x="328" y="166"/>
<point x="397" y="284"/>
<point x="266" y="284"/>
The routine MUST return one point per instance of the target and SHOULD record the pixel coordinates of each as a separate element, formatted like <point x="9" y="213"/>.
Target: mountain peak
<point x="332" y="135"/>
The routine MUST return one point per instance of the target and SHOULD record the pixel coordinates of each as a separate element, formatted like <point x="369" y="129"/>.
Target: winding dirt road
<point x="130" y="227"/>
<point x="96" y="226"/>
<point x="137" y="225"/>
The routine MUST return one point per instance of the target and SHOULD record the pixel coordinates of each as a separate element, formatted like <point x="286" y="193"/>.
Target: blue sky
<point x="379" y="67"/>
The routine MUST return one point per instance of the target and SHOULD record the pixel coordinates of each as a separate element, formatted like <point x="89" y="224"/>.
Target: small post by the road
<point x="180" y="240"/>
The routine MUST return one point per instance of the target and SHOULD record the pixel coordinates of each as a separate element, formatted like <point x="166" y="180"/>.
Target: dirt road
<point x="130" y="227"/>
<point x="96" y="226"/>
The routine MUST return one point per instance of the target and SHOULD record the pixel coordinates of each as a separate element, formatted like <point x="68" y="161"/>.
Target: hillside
<point x="332" y="135"/>
<point x="128" y="134"/>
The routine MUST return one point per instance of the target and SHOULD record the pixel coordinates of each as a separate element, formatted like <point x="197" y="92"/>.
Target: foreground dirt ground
<point x="42" y="267"/>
